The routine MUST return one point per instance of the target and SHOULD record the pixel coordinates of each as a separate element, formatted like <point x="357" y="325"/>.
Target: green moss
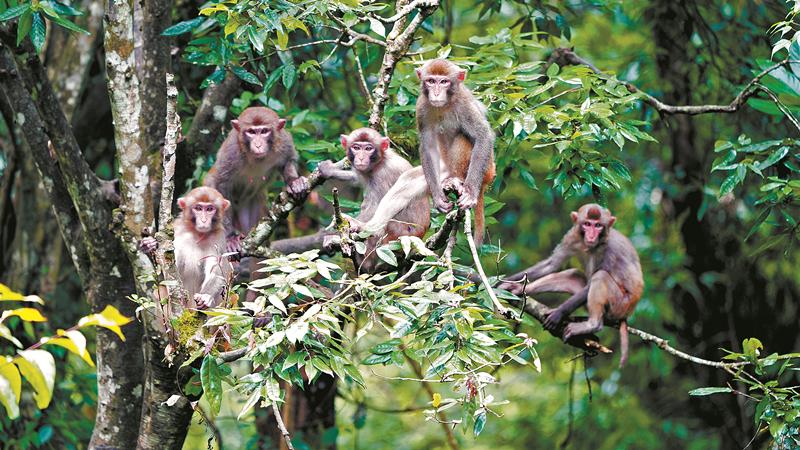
<point x="186" y="326"/>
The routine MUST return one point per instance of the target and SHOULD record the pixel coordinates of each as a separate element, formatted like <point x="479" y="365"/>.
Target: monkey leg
<point x="570" y="281"/>
<point x="410" y="186"/>
<point x="602" y="290"/>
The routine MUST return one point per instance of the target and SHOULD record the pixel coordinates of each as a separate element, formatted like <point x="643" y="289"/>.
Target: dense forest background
<point x="708" y="196"/>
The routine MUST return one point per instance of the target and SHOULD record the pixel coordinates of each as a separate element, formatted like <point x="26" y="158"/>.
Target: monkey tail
<point x="623" y="343"/>
<point x="480" y="221"/>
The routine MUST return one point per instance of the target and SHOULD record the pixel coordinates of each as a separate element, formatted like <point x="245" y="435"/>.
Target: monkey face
<point x="437" y="89"/>
<point x="362" y="155"/>
<point x="258" y="141"/>
<point x="204" y="216"/>
<point x="592" y="231"/>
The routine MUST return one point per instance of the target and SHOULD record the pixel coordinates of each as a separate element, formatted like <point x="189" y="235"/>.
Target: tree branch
<point x="565" y="56"/>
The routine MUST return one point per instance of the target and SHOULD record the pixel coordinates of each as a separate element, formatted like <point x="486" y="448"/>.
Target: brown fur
<point x="382" y="174"/>
<point x="455" y="130"/>
<point x="614" y="286"/>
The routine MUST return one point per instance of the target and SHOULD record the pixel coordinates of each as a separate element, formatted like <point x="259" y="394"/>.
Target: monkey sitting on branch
<point x="376" y="168"/>
<point x="257" y="144"/>
<point x="199" y="246"/>
<point x="610" y="285"/>
<point x="456" y="149"/>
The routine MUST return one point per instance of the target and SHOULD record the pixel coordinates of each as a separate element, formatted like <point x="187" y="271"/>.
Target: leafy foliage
<point x="31" y="16"/>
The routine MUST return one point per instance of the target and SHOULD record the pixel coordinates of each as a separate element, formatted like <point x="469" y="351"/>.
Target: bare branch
<point x="477" y="260"/>
<point x="284" y="432"/>
<point x="168" y="154"/>
<point x="407" y="9"/>
<point x="355" y="34"/>
<point x="565" y="56"/>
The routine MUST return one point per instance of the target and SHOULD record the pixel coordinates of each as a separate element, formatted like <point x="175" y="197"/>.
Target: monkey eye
<point x="598" y="225"/>
<point x="368" y="148"/>
<point x="444" y="82"/>
<point x="430" y="81"/>
<point x="587" y="224"/>
<point x="355" y="147"/>
<point x="198" y="207"/>
<point x="210" y="208"/>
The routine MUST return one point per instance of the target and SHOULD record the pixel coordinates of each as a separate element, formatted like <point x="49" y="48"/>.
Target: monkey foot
<point x="297" y="186"/>
<point x="203" y="301"/>
<point x="148" y="245"/>
<point x="553" y="319"/>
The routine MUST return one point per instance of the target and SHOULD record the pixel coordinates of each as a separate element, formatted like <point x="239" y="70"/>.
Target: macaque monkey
<point x="611" y="283"/>
<point x="257" y="144"/>
<point x="456" y="148"/>
<point x="199" y="246"/>
<point x="376" y="167"/>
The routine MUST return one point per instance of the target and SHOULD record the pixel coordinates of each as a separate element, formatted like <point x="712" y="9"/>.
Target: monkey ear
<point x="281" y="124"/>
<point x="574" y="216"/>
<point x="225" y="204"/>
<point x="419" y="73"/>
<point x="611" y="221"/>
<point x="235" y="124"/>
<point x="384" y="144"/>
<point x="462" y="75"/>
<point x="343" y="139"/>
<point x="182" y="203"/>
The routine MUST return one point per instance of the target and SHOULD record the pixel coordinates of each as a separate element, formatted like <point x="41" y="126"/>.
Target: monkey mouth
<point x="202" y="228"/>
<point x="438" y="103"/>
<point x="361" y="167"/>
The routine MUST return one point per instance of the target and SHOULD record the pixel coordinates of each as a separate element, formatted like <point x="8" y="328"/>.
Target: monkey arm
<point x="482" y="155"/>
<point x="542" y="268"/>
<point x="215" y="270"/>
<point x="571" y="304"/>
<point x="429" y="153"/>
<point x="409" y="186"/>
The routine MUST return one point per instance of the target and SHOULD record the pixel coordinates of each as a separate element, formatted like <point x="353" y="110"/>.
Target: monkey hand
<point x="442" y="204"/>
<point x="203" y="301"/>
<point x="514" y="288"/>
<point x="553" y="319"/>
<point x="148" y="245"/>
<point x="297" y="186"/>
<point x="466" y="198"/>
<point x="234" y="243"/>
<point x="571" y="330"/>
<point x="326" y="168"/>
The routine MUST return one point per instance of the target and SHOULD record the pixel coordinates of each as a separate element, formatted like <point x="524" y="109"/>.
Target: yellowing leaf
<point x="232" y="25"/>
<point x="437" y="399"/>
<point x="74" y="341"/>
<point x="7" y="295"/>
<point x="283" y="40"/>
<point x="26" y="314"/>
<point x="10" y="387"/>
<point x="39" y="368"/>
<point x="110" y="318"/>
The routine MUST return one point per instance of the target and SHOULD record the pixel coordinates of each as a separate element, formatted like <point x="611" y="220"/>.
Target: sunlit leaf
<point x="39" y="368"/>
<point x="10" y="387"/>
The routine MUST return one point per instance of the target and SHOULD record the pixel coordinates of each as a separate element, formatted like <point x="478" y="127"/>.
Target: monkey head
<point x="203" y="208"/>
<point x="439" y="79"/>
<point x="257" y="127"/>
<point x="593" y="222"/>
<point x="365" y="148"/>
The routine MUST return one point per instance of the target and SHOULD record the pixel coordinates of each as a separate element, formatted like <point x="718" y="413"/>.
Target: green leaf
<point x="10" y="13"/>
<point x="38" y="32"/>
<point x="710" y="390"/>
<point x="553" y="70"/>
<point x="183" y="27"/>
<point x="65" y="10"/>
<point x="386" y="254"/>
<point x="776" y="156"/>
<point x="528" y="178"/>
<point x="289" y="75"/>
<point x="67" y="24"/>
<point x="480" y="422"/>
<point x="376" y="359"/>
<point x="24" y="26"/>
<point x="211" y="380"/>
<point x="244" y="75"/>
<point x="728" y="184"/>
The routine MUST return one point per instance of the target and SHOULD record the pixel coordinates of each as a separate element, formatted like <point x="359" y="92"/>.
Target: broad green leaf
<point x="39" y="368"/>
<point x="250" y="403"/>
<point x="710" y="390"/>
<point x="10" y="387"/>
<point x="244" y="75"/>
<point x="183" y="27"/>
<point x="211" y="379"/>
<point x="387" y="255"/>
<point x="480" y="422"/>
<point x="774" y="157"/>
<point x="15" y="11"/>
<point x="67" y="24"/>
<point x="24" y="26"/>
<point x="38" y="32"/>
<point x="26" y="314"/>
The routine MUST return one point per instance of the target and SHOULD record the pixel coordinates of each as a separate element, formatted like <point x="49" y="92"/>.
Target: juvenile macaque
<point x="376" y="168"/>
<point x="199" y="246"/>
<point x="456" y="148"/>
<point x="257" y="144"/>
<point x="610" y="264"/>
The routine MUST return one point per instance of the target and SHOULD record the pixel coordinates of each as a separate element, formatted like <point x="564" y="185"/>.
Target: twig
<point x="361" y="78"/>
<point x="476" y="259"/>
<point x="565" y="56"/>
<point x="355" y="34"/>
<point x="663" y="344"/>
<point x="286" y="437"/>
<point x="407" y="9"/>
<point x="451" y="439"/>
